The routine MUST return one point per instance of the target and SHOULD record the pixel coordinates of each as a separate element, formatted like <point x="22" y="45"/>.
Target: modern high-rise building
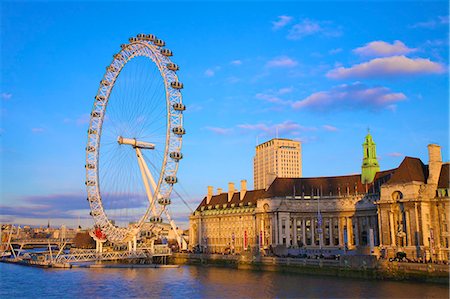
<point x="278" y="157"/>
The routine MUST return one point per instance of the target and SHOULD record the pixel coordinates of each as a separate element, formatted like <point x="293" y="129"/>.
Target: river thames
<point x="197" y="282"/>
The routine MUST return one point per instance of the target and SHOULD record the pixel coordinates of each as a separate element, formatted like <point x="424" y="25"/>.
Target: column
<point x="321" y="243"/>
<point x="340" y="232"/>
<point x="331" y="227"/>
<point x="313" y="231"/>
<point x="288" y="231"/>
<point x="349" y="231"/>
<point x="261" y="234"/>
<point x="408" y="229"/>
<point x="380" y="231"/>
<point x="294" y="242"/>
<point x="275" y="228"/>
<point x="304" y="231"/>
<point x="199" y="231"/>
<point x="280" y="230"/>
<point x="416" y="218"/>
<point x="391" y="228"/>
<point x="356" y="230"/>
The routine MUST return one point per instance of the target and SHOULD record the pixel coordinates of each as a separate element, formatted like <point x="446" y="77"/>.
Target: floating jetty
<point x="140" y="258"/>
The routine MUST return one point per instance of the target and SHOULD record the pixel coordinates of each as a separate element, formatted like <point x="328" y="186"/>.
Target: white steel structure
<point x="134" y="140"/>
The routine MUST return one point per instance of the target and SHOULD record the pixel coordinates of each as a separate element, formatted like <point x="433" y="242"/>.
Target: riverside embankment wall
<point x="367" y="267"/>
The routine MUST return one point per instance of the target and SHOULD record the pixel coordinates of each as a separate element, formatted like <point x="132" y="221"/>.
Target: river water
<point x="196" y="282"/>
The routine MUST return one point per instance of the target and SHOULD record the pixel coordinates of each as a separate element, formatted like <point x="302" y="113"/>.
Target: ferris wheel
<point x="134" y="140"/>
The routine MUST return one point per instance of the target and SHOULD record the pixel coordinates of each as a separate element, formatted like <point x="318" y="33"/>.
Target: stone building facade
<point x="413" y="208"/>
<point x="403" y="209"/>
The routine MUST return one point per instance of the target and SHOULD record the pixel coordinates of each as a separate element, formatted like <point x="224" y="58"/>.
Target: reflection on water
<point x="197" y="282"/>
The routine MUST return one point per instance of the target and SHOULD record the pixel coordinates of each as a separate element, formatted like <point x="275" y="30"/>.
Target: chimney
<point x="243" y="189"/>
<point x="434" y="164"/>
<point x="219" y="191"/>
<point x="209" y="195"/>
<point x="230" y="191"/>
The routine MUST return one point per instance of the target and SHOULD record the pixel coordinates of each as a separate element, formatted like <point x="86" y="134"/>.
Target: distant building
<point x="405" y="209"/>
<point x="278" y="157"/>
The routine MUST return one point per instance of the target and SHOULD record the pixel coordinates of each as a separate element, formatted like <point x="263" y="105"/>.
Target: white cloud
<point x="388" y="67"/>
<point x="37" y="130"/>
<point x="431" y="24"/>
<point x="285" y="128"/>
<point x="274" y="96"/>
<point x="209" y="73"/>
<point x="281" y="22"/>
<point x="6" y="95"/>
<point x="236" y="62"/>
<point x="233" y="79"/>
<point x="351" y="97"/>
<point x="282" y="62"/>
<point x="218" y="130"/>
<point x="383" y="49"/>
<point x="271" y="98"/>
<point x="310" y="27"/>
<point x="335" y="51"/>
<point x="83" y="119"/>
<point x="285" y="90"/>
<point x="330" y="128"/>
<point x="395" y="154"/>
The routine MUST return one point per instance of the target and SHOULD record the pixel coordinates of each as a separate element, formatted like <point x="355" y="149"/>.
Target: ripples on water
<point x="197" y="282"/>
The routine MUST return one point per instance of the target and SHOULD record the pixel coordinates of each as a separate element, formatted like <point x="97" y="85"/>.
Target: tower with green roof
<point x="370" y="164"/>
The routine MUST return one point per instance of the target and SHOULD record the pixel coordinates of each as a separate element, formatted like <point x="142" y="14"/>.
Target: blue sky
<point x="320" y="72"/>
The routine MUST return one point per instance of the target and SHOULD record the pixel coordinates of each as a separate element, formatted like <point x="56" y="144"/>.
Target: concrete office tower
<point x="278" y="157"/>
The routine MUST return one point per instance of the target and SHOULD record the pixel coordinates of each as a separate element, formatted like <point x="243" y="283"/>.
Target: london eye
<point x="134" y="140"/>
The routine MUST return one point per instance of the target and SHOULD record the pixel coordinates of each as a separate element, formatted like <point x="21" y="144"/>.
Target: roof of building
<point x="326" y="186"/>
<point x="411" y="169"/>
<point x="250" y="196"/>
<point x="444" y="176"/>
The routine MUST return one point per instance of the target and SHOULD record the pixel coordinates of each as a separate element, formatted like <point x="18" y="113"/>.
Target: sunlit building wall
<point x="278" y="157"/>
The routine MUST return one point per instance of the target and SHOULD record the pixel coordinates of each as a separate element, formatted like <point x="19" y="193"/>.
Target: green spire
<point x="370" y="164"/>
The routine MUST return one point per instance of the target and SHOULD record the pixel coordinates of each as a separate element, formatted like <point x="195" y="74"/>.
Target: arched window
<point x="397" y="195"/>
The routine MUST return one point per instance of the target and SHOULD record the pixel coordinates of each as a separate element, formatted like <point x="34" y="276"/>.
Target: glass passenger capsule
<point x="90" y="166"/>
<point x="164" y="201"/>
<point x="179" y="107"/>
<point x="176" y="85"/>
<point x="172" y="67"/>
<point x="95" y="114"/>
<point x="155" y="219"/>
<point x="111" y="68"/>
<point x="89" y="183"/>
<point x="92" y="131"/>
<point x="177" y="156"/>
<point x="159" y="42"/>
<point x="150" y="37"/>
<point x="166" y="52"/>
<point x="171" y="179"/>
<point x="118" y="56"/>
<point x="105" y="83"/>
<point x="179" y="131"/>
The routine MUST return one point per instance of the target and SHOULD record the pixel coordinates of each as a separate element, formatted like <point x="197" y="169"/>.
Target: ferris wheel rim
<point x="155" y="52"/>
